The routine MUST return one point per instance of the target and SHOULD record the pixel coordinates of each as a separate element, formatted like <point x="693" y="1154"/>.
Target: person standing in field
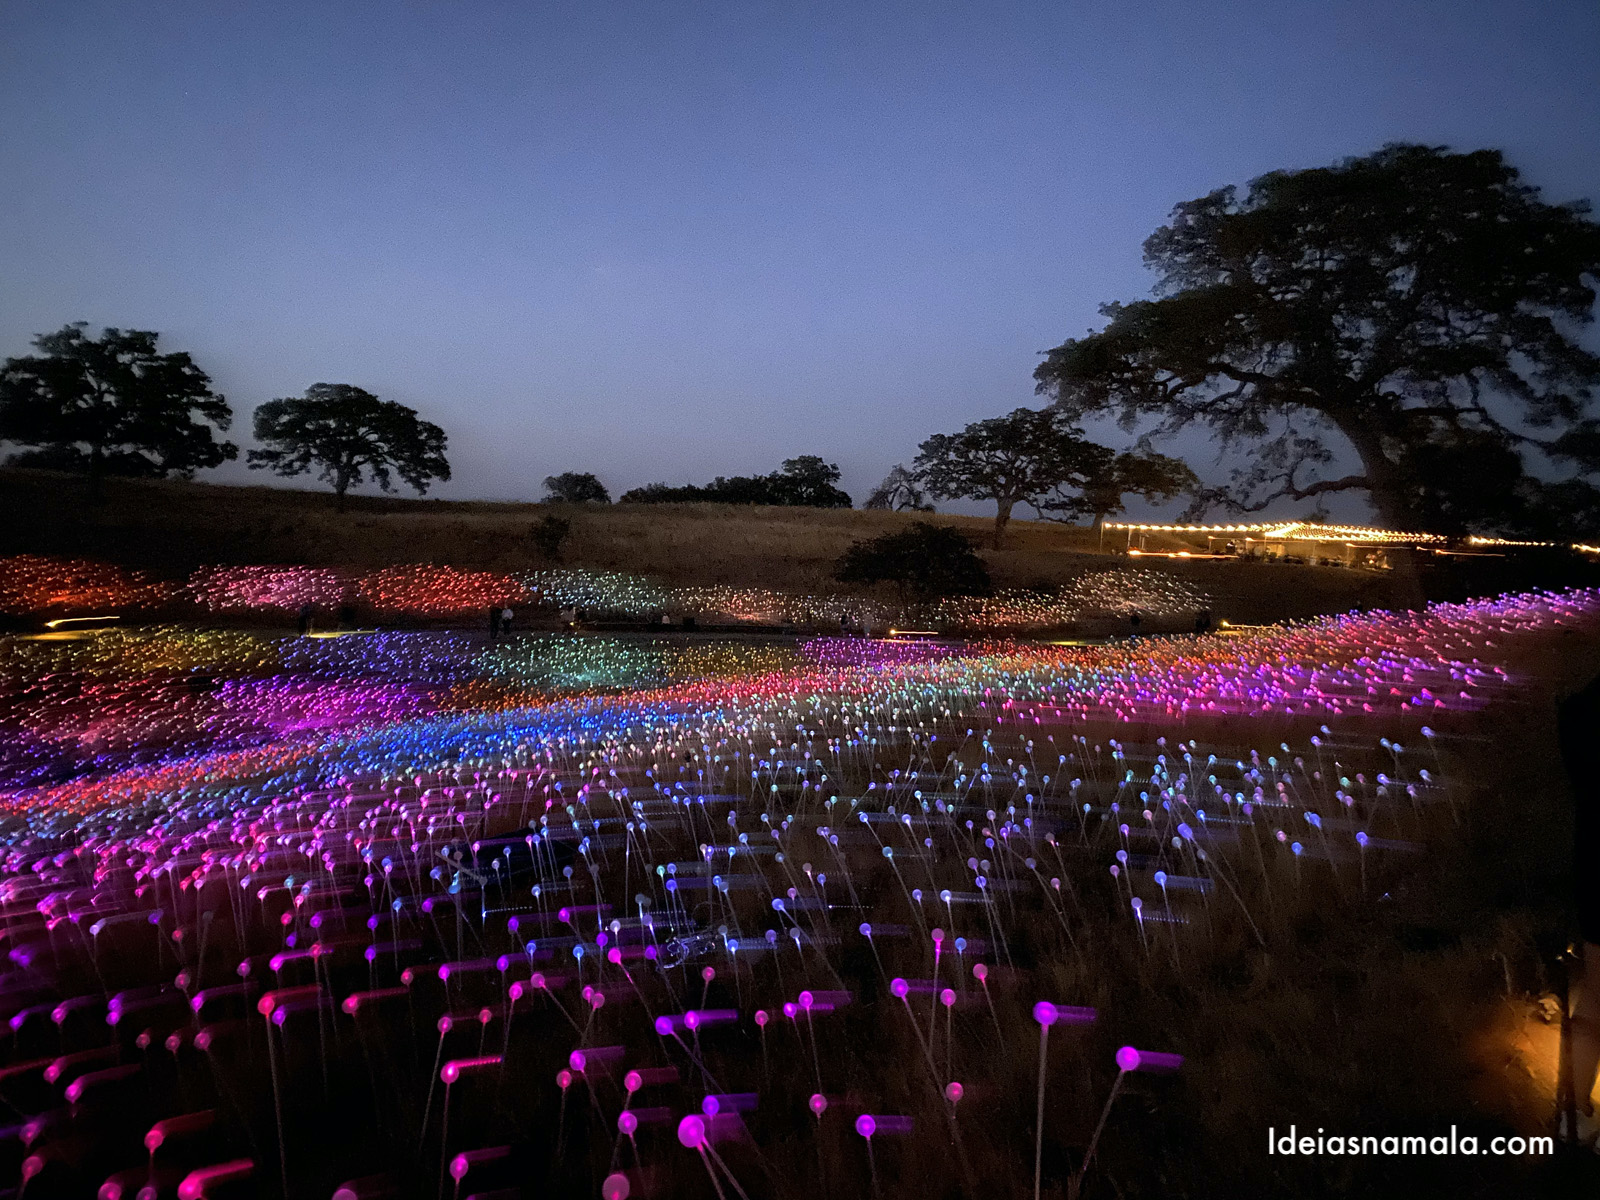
<point x="494" y="621"/>
<point x="506" y="617"/>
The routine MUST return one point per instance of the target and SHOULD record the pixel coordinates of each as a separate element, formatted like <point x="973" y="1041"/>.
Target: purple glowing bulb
<point x="1127" y="1059"/>
<point x="818" y="1103"/>
<point x="866" y="1126"/>
<point x="898" y="988"/>
<point x="1046" y="1013"/>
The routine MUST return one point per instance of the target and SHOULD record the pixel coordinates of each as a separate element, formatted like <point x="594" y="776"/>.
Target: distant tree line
<point x="806" y="482"/>
<point x="1416" y="310"/>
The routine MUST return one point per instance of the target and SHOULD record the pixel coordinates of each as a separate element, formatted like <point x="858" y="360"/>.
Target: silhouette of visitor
<point x="307" y="611"/>
<point x="494" y="621"/>
<point x="506" y="617"/>
<point x="1578" y="730"/>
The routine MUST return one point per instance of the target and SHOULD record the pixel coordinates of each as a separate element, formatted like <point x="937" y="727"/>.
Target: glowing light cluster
<point x="674" y="889"/>
<point x="223" y="589"/>
<point x="33" y="583"/>
<point x="427" y="589"/>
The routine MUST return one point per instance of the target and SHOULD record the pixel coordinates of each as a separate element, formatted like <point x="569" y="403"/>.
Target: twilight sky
<point x="657" y="239"/>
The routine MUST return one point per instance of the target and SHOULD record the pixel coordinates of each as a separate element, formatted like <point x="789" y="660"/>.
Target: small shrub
<point x="547" y="536"/>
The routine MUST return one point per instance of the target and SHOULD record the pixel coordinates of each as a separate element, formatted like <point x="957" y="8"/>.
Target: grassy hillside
<point x="173" y="527"/>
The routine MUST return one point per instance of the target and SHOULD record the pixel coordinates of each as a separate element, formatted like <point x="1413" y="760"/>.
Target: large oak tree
<point x="111" y="405"/>
<point x="346" y="434"/>
<point x="1419" y="306"/>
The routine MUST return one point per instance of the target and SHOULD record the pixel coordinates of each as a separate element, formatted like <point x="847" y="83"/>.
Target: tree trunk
<point x="339" y="490"/>
<point x="1386" y="492"/>
<point x="96" y="475"/>
<point x="1002" y="515"/>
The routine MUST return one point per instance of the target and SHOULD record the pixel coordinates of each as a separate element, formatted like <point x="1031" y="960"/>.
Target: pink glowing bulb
<point x="1045" y="1013"/>
<point x="616" y="1187"/>
<point x="692" y="1132"/>
<point x="577" y="1061"/>
<point x="807" y="1000"/>
<point x="628" y="1124"/>
<point x="633" y="1081"/>
<point x="980" y="972"/>
<point x="818" y="1103"/>
<point x="866" y="1126"/>
<point x="1127" y="1059"/>
<point x="947" y="997"/>
<point x="953" y="1091"/>
<point x="898" y="988"/>
<point x="761" y="1017"/>
<point x="563" y="1079"/>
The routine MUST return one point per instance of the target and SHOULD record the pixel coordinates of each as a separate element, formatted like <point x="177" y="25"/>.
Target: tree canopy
<point x="1416" y="303"/>
<point x="112" y="406"/>
<point x="804" y="482"/>
<point x="575" y="487"/>
<point x="346" y="434"/>
<point x="1019" y="458"/>
<point x="1109" y="477"/>
<point x="900" y="490"/>
<point x="926" y="561"/>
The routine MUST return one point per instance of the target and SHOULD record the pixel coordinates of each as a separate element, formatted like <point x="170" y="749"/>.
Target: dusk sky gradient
<point x="665" y="241"/>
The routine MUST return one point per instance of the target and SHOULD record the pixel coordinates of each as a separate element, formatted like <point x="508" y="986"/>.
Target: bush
<point x="548" y="534"/>
<point x="926" y="561"/>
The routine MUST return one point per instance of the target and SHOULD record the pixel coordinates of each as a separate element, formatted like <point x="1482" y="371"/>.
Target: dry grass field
<point x="172" y="527"/>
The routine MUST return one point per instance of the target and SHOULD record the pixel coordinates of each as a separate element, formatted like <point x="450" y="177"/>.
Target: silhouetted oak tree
<point x="346" y="434"/>
<point x="575" y="487"/>
<point x="1417" y="303"/>
<point x="111" y="406"/>
<point x="1015" y="459"/>
<point x="900" y="490"/>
